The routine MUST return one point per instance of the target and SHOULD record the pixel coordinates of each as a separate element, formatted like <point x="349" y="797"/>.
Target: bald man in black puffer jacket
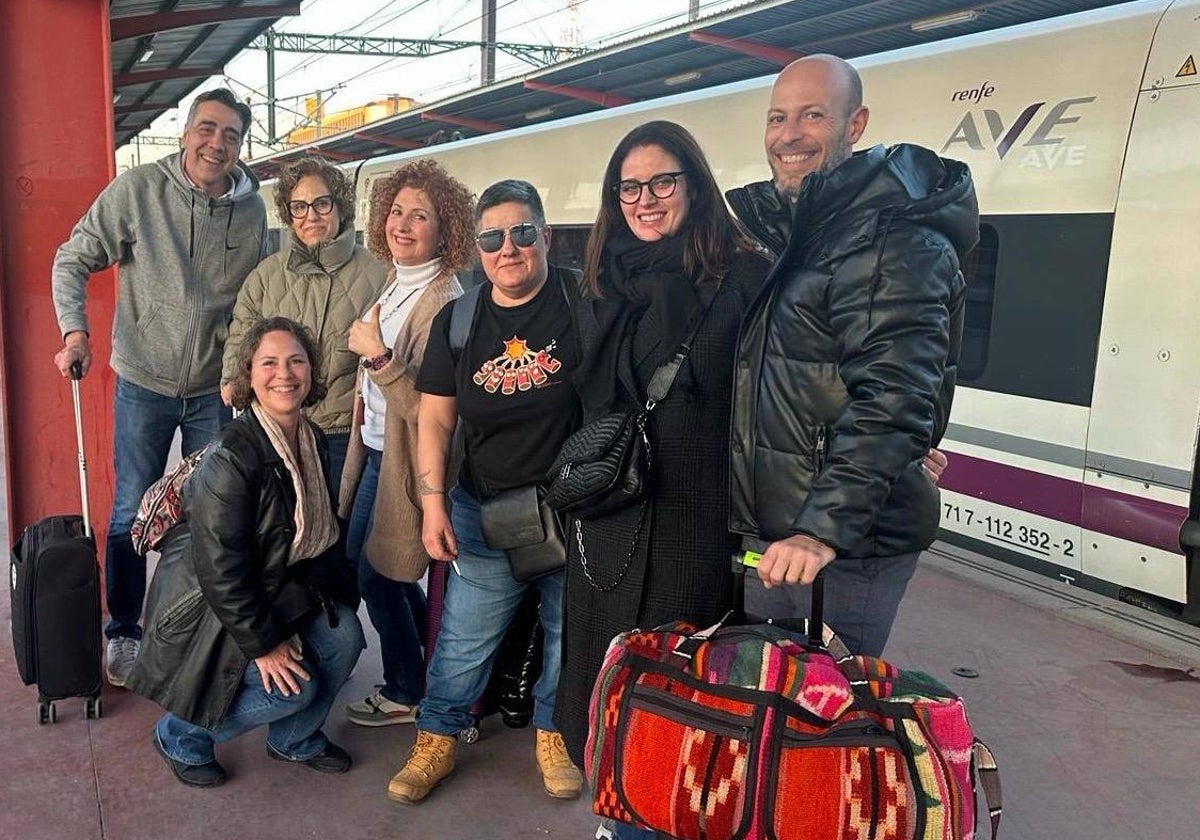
<point x="847" y="361"/>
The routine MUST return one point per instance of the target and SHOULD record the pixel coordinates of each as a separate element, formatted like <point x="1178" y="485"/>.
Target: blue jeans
<point x="862" y="597"/>
<point x="396" y="608"/>
<point x="624" y="831"/>
<point x="294" y="722"/>
<point x="338" y="443"/>
<point x="144" y="425"/>
<point x="481" y="598"/>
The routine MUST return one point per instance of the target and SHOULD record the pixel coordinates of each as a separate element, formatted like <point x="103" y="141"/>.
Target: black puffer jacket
<point x="223" y="592"/>
<point x="847" y="361"/>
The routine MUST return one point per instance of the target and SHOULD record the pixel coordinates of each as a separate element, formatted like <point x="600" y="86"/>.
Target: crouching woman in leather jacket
<point x="251" y="613"/>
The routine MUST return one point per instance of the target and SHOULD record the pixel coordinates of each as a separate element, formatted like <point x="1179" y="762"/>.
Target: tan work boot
<point x="560" y="777"/>
<point x="431" y="761"/>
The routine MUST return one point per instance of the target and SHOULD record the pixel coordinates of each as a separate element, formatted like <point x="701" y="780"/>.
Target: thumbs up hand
<point x="366" y="339"/>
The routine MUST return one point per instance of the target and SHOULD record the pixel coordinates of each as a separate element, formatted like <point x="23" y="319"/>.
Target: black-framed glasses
<point x="492" y="240"/>
<point x="323" y="204"/>
<point x="661" y="185"/>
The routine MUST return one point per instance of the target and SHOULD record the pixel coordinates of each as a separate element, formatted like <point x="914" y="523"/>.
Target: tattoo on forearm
<point x="423" y="487"/>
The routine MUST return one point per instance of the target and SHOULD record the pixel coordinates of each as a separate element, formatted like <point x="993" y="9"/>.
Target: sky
<point x="348" y="81"/>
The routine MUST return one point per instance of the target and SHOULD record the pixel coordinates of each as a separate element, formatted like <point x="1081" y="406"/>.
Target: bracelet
<point x="378" y="362"/>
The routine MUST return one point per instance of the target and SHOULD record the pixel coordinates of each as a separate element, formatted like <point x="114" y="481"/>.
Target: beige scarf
<point x="316" y="526"/>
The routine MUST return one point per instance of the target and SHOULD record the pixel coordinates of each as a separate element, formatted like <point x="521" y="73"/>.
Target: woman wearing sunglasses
<point x="498" y="366"/>
<point x="321" y="278"/>
<point x="665" y="263"/>
<point x="421" y="223"/>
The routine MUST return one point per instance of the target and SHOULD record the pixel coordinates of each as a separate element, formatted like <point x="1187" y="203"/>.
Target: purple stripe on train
<point x="1121" y="515"/>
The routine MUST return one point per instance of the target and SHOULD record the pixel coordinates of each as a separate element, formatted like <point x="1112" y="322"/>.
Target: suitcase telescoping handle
<point x="745" y="563"/>
<point x="76" y="375"/>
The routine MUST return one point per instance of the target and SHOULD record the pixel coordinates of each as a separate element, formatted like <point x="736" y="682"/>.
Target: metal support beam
<point x="394" y="142"/>
<point x="139" y="25"/>
<point x="146" y="77"/>
<point x="271" y="133"/>
<point x="56" y="168"/>
<point x="604" y="100"/>
<point x="487" y="73"/>
<point x="465" y="122"/>
<point x="775" y="55"/>
<point x="539" y="55"/>
<point x="122" y="110"/>
<point x="340" y="157"/>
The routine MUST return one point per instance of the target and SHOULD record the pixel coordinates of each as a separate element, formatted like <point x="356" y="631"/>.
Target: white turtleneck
<point x="396" y="304"/>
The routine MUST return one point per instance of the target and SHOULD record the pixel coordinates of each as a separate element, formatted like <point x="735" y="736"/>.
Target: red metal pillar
<point x="58" y="156"/>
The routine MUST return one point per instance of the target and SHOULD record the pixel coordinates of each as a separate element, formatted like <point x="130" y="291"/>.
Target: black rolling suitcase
<point x="55" y="591"/>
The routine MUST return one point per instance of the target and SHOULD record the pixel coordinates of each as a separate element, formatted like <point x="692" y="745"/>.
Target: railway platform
<point x="1092" y="708"/>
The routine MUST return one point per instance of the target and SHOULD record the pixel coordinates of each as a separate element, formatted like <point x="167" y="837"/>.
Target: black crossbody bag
<point x="605" y="466"/>
<point x="519" y="523"/>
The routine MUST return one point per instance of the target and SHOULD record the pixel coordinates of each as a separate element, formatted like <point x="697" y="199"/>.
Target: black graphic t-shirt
<point x="512" y="384"/>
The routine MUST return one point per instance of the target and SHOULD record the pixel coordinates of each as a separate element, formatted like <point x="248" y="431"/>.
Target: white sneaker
<point x="377" y="710"/>
<point x="119" y="657"/>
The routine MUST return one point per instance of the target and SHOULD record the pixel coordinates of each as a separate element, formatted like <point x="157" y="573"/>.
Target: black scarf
<point x="648" y="307"/>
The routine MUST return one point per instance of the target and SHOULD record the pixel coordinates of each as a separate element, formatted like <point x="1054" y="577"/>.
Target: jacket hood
<point x="245" y="184"/>
<point x="900" y="182"/>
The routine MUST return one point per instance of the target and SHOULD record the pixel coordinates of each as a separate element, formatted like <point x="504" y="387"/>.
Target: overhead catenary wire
<point x="377" y="20"/>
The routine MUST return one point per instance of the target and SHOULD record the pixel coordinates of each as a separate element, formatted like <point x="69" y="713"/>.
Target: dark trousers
<point x="862" y="597"/>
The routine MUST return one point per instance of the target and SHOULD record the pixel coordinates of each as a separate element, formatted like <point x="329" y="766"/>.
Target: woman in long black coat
<point x="664" y="256"/>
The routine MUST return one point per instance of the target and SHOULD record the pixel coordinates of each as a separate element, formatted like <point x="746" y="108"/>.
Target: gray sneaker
<point x="118" y="659"/>
<point x="377" y="710"/>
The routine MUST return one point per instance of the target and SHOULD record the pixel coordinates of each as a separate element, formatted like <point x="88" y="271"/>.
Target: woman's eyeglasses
<point x="661" y="185"/>
<point x="492" y="240"/>
<point x="323" y="204"/>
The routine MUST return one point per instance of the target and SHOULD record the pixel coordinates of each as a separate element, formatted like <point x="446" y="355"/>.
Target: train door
<point x="1141" y="443"/>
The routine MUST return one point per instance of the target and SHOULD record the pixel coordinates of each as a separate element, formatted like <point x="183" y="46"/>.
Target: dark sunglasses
<point x="323" y="204"/>
<point x="492" y="240"/>
<point x="661" y="185"/>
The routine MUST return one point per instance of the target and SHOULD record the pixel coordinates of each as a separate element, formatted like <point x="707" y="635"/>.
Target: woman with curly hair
<point x="421" y="221"/>
<point x="321" y="278"/>
<point x="251" y="616"/>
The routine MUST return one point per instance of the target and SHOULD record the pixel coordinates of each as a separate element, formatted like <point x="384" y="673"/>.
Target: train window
<point x="568" y="244"/>
<point x="1038" y="334"/>
<point x="979" y="269"/>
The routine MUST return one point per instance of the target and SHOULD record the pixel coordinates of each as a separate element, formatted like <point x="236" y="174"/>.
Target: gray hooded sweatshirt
<point x="183" y="256"/>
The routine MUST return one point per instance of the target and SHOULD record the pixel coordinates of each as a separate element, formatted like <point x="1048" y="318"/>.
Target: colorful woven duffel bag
<point x="757" y="733"/>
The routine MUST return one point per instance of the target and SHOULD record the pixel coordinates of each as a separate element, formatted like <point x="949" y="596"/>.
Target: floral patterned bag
<point x="161" y="508"/>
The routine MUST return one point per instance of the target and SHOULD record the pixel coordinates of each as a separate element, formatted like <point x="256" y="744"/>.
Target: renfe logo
<point x="976" y="94"/>
<point x="1045" y="151"/>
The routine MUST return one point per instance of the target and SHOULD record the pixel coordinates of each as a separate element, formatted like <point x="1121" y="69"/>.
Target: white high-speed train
<point x="1073" y="436"/>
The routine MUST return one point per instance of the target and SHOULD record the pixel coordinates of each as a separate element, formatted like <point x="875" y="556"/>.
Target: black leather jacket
<point x="847" y="360"/>
<point x="223" y="592"/>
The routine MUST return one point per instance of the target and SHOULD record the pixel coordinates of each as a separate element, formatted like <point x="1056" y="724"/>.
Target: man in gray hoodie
<point x="185" y="231"/>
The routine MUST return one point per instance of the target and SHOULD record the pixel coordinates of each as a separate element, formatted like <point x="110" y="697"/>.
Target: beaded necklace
<point x="383" y="316"/>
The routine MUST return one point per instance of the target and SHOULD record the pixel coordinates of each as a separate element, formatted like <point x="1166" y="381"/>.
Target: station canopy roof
<point x="162" y="50"/>
<point x="189" y="40"/>
<point x="748" y="41"/>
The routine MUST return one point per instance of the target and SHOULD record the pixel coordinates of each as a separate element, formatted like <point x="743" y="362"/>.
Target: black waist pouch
<point x="519" y="523"/>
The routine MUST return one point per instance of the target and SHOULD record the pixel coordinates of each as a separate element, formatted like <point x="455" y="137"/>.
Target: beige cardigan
<point x="393" y="546"/>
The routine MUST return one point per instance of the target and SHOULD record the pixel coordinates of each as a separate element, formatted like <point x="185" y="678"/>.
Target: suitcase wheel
<point x="47" y="713"/>
<point x="469" y="735"/>
<point x="91" y="708"/>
